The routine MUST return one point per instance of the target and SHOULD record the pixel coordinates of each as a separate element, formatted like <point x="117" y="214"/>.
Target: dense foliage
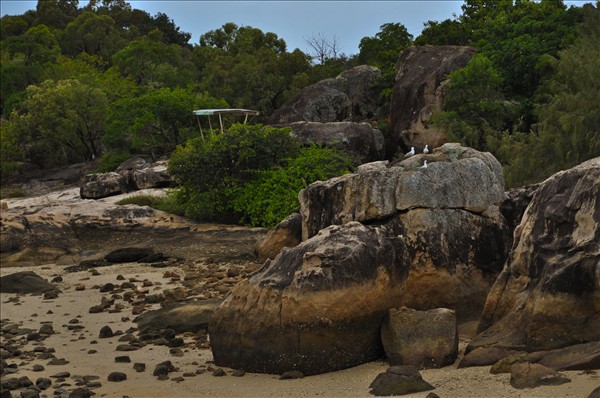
<point x="249" y="174"/>
<point x="106" y="80"/>
<point x="517" y="98"/>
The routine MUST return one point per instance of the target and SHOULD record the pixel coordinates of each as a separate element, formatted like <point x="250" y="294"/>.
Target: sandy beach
<point x="193" y="377"/>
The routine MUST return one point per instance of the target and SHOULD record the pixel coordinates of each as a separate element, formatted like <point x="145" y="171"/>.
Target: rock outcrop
<point x="386" y="236"/>
<point x="348" y="97"/>
<point x="316" y="308"/>
<point x="62" y="228"/>
<point x="421" y="73"/>
<point x="133" y="174"/>
<point x="548" y="294"/>
<point x="359" y="139"/>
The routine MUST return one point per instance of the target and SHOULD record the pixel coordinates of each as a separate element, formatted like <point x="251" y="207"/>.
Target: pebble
<point x="238" y="373"/>
<point x="105" y="332"/>
<point x="139" y="367"/>
<point x="61" y="375"/>
<point x="95" y="309"/>
<point x="176" y="352"/>
<point x="178" y="379"/>
<point x="80" y="287"/>
<point x="58" y="361"/>
<point x="123" y="359"/>
<point x="117" y="376"/>
<point x="43" y="383"/>
<point x="80" y="393"/>
<point x="126" y="347"/>
<point x="46" y="329"/>
<point x="107" y="287"/>
<point x="37" y="368"/>
<point x="218" y="372"/>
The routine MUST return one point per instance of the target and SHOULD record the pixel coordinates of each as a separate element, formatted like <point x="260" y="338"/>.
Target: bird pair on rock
<point x="412" y="151"/>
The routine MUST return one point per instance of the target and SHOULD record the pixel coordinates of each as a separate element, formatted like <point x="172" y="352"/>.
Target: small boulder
<point x="102" y="185"/>
<point x="26" y="282"/>
<point x="399" y="380"/>
<point x="188" y="317"/>
<point x="117" y="376"/>
<point x="425" y="339"/>
<point x="531" y="375"/>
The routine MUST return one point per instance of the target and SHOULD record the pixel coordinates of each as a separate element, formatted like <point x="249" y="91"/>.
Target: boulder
<point x="153" y="176"/>
<point x="425" y="339"/>
<point x="358" y="139"/>
<point x="25" y="282"/>
<point x="316" y="103"/>
<point x="316" y="308"/>
<point x="187" y="317"/>
<point x="531" y="375"/>
<point x="548" y="294"/>
<point x="399" y="380"/>
<point x="287" y="233"/>
<point x="101" y="185"/>
<point x="457" y="178"/>
<point x="577" y="357"/>
<point x="348" y="97"/>
<point x="421" y="73"/>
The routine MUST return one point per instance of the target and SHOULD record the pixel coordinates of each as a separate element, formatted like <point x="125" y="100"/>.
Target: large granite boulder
<point x="435" y="239"/>
<point x="548" y="294"/>
<point x="316" y="308"/>
<point x="359" y="139"/>
<point x="348" y="97"/>
<point x="456" y="178"/>
<point x="421" y="73"/>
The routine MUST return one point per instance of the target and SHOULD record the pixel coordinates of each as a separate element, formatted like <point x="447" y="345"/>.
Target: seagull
<point x="410" y="153"/>
<point x="424" y="165"/>
<point x="426" y="149"/>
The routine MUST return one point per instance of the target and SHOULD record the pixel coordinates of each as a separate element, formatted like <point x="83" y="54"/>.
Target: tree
<point x="93" y="34"/>
<point x="60" y="122"/>
<point x="155" y="122"/>
<point x="150" y="62"/>
<point x="323" y="48"/>
<point x="383" y="49"/>
<point x="56" y="13"/>
<point x="569" y="116"/>
<point x="248" y="67"/>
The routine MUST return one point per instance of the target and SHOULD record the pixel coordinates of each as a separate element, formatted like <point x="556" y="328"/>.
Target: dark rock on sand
<point x="139" y="367"/>
<point x="188" y="317"/>
<point x="399" y="380"/>
<point x="105" y="332"/>
<point x="117" y="376"/>
<point x="531" y="375"/>
<point x="26" y="282"/>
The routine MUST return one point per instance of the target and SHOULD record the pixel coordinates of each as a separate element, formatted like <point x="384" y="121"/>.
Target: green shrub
<point x="211" y="170"/>
<point x="250" y="174"/>
<point x="274" y="194"/>
<point x="166" y="203"/>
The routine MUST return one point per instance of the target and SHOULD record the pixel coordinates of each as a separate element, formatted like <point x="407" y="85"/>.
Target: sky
<point x="293" y="21"/>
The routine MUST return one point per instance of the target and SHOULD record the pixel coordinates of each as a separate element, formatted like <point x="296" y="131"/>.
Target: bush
<point x="274" y="194"/>
<point x="165" y="203"/>
<point x="210" y="170"/>
<point x="250" y="174"/>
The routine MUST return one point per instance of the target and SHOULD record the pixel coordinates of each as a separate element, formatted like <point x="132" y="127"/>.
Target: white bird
<point x="424" y="165"/>
<point x="411" y="152"/>
<point x="426" y="149"/>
